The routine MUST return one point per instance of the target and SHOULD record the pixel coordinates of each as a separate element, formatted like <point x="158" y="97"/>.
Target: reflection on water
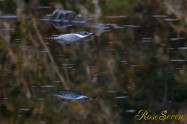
<point x="182" y="48"/>
<point x="170" y="20"/>
<point x="130" y="110"/>
<point x="72" y="95"/>
<point x="116" y="16"/>
<point x="65" y="18"/>
<point x="136" y="60"/>
<point x="8" y="16"/>
<point x="131" y="26"/>
<point x="178" y="60"/>
<point x="177" y="39"/>
<point x="121" y="97"/>
<point x="47" y="86"/>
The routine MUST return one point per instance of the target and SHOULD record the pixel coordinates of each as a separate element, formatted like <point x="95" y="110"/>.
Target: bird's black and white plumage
<point x="72" y="95"/>
<point x="71" y="38"/>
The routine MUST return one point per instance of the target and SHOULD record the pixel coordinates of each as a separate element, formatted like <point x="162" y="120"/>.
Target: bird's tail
<point x="51" y="94"/>
<point x="52" y="38"/>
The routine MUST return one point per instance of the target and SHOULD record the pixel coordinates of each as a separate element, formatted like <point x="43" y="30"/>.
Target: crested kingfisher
<point x="72" y="37"/>
<point x="72" y="95"/>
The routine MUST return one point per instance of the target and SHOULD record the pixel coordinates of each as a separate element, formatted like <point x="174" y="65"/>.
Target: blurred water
<point x="9" y="16"/>
<point x="136" y="60"/>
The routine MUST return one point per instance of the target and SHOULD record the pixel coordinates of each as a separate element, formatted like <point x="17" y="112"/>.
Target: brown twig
<point x="49" y="55"/>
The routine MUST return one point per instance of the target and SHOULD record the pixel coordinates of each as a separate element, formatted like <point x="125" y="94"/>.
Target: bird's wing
<point x="68" y="38"/>
<point x="72" y="91"/>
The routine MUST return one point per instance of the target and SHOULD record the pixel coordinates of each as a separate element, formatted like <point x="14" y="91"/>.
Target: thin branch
<point x="49" y="55"/>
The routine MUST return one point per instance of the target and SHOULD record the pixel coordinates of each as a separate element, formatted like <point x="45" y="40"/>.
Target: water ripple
<point x="182" y="48"/>
<point x="178" y="60"/>
<point x="131" y="26"/>
<point x="113" y="17"/>
<point x="121" y="97"/>
<point x="8" y="16"/>
<point x="159" y="16"/>
<point x="130" y="110"/>
<point x="177" y="39"/>
<point x="170" y="20"/>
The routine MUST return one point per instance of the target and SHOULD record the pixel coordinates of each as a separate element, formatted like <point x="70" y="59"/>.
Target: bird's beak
<point x="92" y="34"/>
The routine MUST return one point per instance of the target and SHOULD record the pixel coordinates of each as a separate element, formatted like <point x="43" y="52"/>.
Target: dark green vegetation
<point x="146" y="61"/>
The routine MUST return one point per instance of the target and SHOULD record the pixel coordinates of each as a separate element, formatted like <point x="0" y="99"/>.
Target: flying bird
<point x="71" y="38"/>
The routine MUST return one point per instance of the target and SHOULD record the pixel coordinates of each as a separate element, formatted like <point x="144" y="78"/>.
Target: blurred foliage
<point x="120" y="7"/>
